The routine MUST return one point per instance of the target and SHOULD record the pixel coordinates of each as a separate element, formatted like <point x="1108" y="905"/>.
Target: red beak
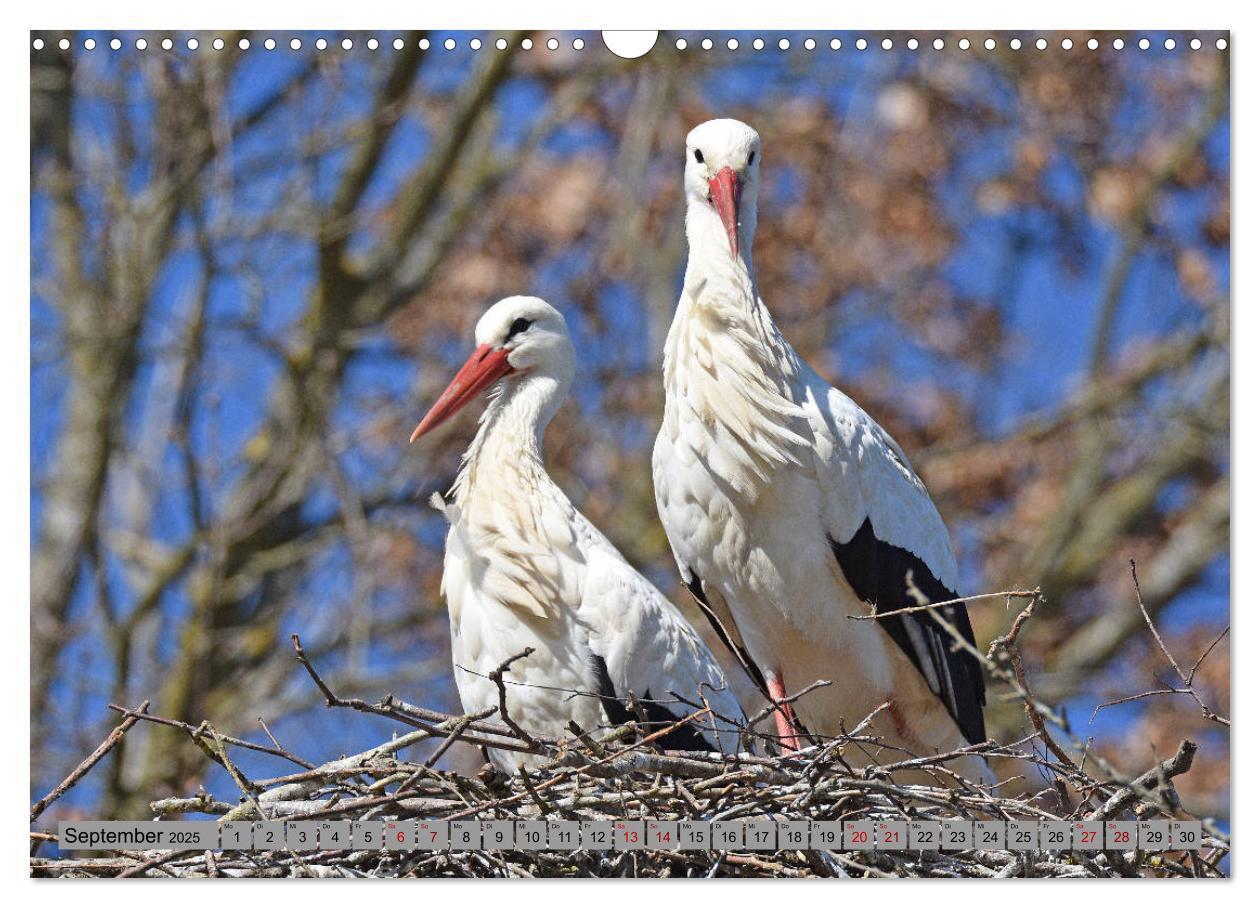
<point x="724" y="195"/>
<point x="485" y="367"/>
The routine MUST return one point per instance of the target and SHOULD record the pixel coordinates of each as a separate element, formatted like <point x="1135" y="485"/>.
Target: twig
<point x="195" y="732"/>
<point x="1207" y="652"/>
<point x="425" y="720"/>
<point x="84" y="767"/>
<point x="1137" y="587"/>
<point x="1187" y="679"/>
<point x="928" y="606"/>
<point x="497" y="677"/>
<point x="1154" y="779"/>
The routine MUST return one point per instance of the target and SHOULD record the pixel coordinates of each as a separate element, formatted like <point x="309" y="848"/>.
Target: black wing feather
<point x="879" y="573"/>
<point x="685" y="737"/>
<point x="696" y="587"/>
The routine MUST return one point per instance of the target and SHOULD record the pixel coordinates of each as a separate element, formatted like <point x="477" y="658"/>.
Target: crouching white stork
<point x="524" y="569"/>
<point x="789" y="509"/>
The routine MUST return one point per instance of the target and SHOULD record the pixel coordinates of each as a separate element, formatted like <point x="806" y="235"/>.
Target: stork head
<point x="722" y="173"/>
<point x="520" y="338"/>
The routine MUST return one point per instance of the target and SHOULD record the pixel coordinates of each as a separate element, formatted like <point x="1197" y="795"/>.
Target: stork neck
<point x="727" y="368"/>
<point x="509" y="438"/>
<point x="709" y="248"/>
<point x="729" y="372"/>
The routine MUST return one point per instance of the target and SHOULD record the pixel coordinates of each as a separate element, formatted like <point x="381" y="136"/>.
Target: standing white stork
<point x="789" y="509"/>
<point x="524" y="568"/>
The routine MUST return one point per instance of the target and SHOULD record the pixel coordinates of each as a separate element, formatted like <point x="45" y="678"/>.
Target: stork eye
<point x="521" y="324"/>
<point x="751" y="157"/>
<point x="699" y="156"/>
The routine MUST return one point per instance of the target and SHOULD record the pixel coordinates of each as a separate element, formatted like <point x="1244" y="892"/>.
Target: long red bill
<point x="485" y="367"/>
<point x="724" y="194"/>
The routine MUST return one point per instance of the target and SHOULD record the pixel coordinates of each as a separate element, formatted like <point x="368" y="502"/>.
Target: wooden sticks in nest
<point x="618" y="772"/>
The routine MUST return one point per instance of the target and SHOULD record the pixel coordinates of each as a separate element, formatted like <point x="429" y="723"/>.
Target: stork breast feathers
<point x="521" y="551"/>
<point x="739" y="394"/>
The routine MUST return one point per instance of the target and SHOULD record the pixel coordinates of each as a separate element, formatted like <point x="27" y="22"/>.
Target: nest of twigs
<point x="618" y="773"/>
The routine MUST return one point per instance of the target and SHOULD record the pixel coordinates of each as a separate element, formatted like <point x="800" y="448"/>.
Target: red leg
<point x="784" y="718"/>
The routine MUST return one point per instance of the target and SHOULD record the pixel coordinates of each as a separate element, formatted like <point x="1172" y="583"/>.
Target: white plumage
<point x="789" y="508"/>
<point x="523" y="568"/>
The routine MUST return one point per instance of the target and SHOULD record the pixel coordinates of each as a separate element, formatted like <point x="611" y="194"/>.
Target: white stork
<point x="789" y="509"/>
<point x="524" y="568"/>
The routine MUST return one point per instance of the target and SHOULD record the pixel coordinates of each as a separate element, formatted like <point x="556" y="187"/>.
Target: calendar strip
<point x="630" y="835"/>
